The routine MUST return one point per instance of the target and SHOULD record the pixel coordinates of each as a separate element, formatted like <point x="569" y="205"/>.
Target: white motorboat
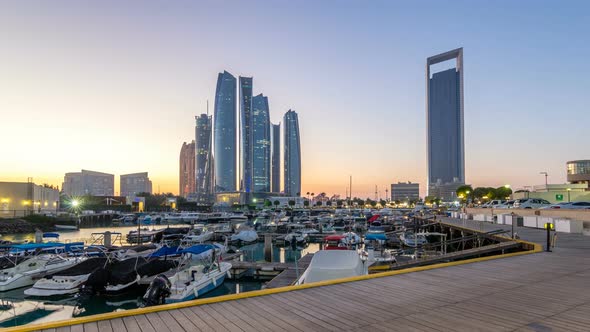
<point x="246" y="236"/>
<point x="67" y="281"/>
<point x="196" y="237"/>
<point x="27" y="272"/>
<point x="193" y="279"/>
<point x="193" y="282"/>
<point x="333" y="264"/>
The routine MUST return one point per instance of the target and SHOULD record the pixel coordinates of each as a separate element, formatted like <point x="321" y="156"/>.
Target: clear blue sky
<point x="122" y="80"/>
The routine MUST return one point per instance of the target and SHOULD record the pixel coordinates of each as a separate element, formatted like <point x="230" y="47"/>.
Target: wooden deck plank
<point x="215" y="314"/>
<point x="131" y="324"/>
<point x="144" y="324"/>
<point x="171" y="322"/>
<point x="91" y="327"/>
<point x="198" y="311"/>
<point x="105" y="325"/>
<point x="196" y="319"/>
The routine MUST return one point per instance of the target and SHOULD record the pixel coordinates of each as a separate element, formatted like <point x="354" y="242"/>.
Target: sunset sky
<point x="114" y="86"/>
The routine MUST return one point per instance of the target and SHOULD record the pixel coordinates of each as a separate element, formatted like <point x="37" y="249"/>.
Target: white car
<point x="530" y="203"/>
<point x="493" y="204"/>
<point x="570" y="205"/>
<point x="506" y="205"/>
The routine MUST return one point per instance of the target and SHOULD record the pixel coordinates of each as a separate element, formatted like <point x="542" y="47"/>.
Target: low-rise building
<point x="135" y="183"/>
<point x="405" y="191"/>
<point x="445" y="191"/>
<point x="89" y="183"/>
<point x="578" y="171"/>
<point x="556" y="193"/>
<point x="23" y="198"/>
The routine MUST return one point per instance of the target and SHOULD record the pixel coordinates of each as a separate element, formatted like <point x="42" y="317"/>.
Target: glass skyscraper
<point x="275" y="158"/>
<point x="224" y="133"/>
<point x="203" y="158"/>
<point x="246" y="134"/>
<point x="292" y="155"/>
<point x="444" y="111"/>
<point x="260" y="144"/>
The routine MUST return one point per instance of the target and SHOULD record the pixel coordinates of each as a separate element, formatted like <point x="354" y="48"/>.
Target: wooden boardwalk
<point x="533" y="292"/>
<point x="290" y="275"/>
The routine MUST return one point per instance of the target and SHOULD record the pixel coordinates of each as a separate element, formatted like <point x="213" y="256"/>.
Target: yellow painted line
<point x="263" y="292"/>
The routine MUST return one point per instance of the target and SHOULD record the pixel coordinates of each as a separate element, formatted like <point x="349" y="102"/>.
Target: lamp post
<point x="546" y="175"/>
<point x="568" y="194"/>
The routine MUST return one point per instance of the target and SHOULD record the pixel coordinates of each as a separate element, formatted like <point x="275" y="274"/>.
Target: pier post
<point x="38" y="236"/>
<point x="107" y="239"/>
<point x="268" y="247"/>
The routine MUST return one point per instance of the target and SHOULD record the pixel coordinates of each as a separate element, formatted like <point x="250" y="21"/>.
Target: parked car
<point x="570" y="205"/>
<point x="530" y="203"/>
<point x="506" y="205"/>
<point x="494" y="203"/>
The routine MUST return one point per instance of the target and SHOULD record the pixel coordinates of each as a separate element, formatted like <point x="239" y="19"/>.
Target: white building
<point x="23" y="198"/>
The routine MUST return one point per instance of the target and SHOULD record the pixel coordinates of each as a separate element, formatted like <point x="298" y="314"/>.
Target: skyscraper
<point x="135" y="183"/>
<point x="275" y="158"/>
<point x="224" y="133"/>
<point x="246" y="134"/>
<point x="187" y="169"/>
<point x="444" y="112"/>
<point x="260" y="144"/>
<point x="292" y="154"/>
<point x="203" y="158"/>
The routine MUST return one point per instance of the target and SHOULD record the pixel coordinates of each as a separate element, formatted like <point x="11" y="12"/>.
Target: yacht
<point x="67" y="281"/>
<point x="25" y="273"/>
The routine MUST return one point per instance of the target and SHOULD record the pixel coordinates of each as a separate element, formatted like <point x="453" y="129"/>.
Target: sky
<point x="114" y="86"/>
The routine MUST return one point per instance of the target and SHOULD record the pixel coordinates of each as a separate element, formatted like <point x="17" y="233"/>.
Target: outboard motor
<point x="158" y="291"/>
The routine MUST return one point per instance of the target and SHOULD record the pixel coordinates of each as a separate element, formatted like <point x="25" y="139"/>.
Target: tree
<point x="462" y="190"/>
<point x="267" y="203"/>
<point x="277" y="203"/>
<point x="503" y="192"/>
<point x="291" y="203"/>
<point x="329" y="203"/>
<point x="382" y="202"/>
<point x="373" y="203"/>
<point x="306" y="203"/>
<point x="339" y="203"/>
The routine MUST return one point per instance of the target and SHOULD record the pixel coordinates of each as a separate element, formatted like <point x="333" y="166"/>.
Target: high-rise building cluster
<point x="238" y="149"/>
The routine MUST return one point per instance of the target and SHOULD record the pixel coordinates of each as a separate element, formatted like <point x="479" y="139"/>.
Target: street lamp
<point x="546" y="175"/>
<point x="568" y="194"/>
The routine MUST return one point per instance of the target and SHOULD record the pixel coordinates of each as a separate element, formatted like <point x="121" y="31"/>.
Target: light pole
<point x="546" y="175"/>
<point x="568" y="194"/>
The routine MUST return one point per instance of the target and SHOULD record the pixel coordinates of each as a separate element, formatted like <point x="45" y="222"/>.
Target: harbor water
<point x="17" y="309"/>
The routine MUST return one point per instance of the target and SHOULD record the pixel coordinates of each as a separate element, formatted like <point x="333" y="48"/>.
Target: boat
<point x="188" y="283"/>
<point x="196" y="236"/>
<point x="412" y="239"/>
<point x="67" y="227"/>
<point x="298" y="236"/>
<point x="67" y="281"/>
<point x="351" y="239"/>
<point x="334" y="242"/>
<point x="246" y="236"/>
<point x="333" y="264"/>
<point x="143" y="236"/>
<point x="25" y="273"/>
<point x="121" y="275"/>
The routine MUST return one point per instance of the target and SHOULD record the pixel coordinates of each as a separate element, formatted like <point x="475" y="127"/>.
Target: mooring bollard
<point x="548" y="227"/>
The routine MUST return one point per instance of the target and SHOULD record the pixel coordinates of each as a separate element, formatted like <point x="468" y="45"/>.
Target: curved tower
<point x="224" y="133"/>
<point x="292" y="154"/>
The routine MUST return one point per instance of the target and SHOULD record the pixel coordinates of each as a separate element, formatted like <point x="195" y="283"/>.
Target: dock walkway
<point x="530" y="292"/>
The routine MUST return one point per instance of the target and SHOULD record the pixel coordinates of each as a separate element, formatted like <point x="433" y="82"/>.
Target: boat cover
<point x="375" y="236"/>
<point x="166" y="251"/>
